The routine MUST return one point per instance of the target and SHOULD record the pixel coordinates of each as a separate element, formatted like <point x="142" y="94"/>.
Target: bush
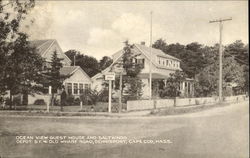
<point x="103" y="95"/>
<point x="7" y="101"/>
<point x="77" y="101"/>
<point x="16" y="101"/>
<point x="70" y="100"/>
<point x="39" y="102"/>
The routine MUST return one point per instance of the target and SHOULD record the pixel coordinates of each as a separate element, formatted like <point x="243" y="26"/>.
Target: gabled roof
<point x="155" y="52"/>
<point x="144" y="50"/>
<point x="69" y="70"/>
<point x="42" y="45"/>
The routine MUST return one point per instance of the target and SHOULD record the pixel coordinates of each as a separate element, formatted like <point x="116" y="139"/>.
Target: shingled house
<point x="78" y="80"/>
<point x="162" y="65"/>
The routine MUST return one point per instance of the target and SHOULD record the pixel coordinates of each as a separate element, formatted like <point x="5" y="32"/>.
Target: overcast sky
<point x="100" y="28"/>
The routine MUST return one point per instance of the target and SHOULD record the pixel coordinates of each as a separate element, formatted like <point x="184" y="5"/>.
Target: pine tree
<point x="53" y="76"/>
<point x="131" y="80"/>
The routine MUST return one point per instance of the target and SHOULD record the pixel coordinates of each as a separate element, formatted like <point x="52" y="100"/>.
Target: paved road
<point x="216" y="133"/>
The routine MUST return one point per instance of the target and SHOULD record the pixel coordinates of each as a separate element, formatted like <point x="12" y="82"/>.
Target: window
<point x="80" y="88"/>
<point x="75" y="88"/>
<point x="159" y="60"/>
<point x="69" y="88"/>
<point x="167" y="62"/>
<point x="86" y="86"/>
<point x="163" y="62"/>
<point x="141" y="62"/>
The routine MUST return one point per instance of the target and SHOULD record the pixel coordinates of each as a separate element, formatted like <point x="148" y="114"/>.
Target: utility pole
<point x="150" y="64"/>
<point x="220" y="54"/>
<point x="74" y="60"/>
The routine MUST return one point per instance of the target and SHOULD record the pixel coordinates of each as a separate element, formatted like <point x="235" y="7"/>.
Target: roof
<point x="154" y="76"/>
<point x="42" y="45"/>
<point x="68" y="70"/>
<point x="156" y="52"/>
<point x="143" y="49"/>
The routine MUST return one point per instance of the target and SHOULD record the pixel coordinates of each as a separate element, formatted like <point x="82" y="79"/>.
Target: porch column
<point x="165" y="82"/>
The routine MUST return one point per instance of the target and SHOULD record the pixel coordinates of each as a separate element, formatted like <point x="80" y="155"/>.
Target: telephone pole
<point x="220" y="21"/>
<point x="150" y="64"/>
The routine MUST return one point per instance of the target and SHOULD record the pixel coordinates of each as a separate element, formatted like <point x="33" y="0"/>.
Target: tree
<point x="207" y="80"/>
<point x="12" y="13"/>
<point x="172" y="88"/>
<point x="160" y="44"/>
<point x="88" y="63"/>
<point x="193" y="56"/>
<point x="131" y="83"/>
<point x="53" y="76"/>
<point x="105" y="62"/>
<point x="23" y="68"/>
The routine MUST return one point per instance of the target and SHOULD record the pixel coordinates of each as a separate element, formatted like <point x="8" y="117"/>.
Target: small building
<point x="78" y="80"/>
<point x="162" y="66"/>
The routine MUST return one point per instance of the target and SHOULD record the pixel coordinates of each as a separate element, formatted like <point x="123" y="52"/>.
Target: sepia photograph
<point x="124" y="79"/>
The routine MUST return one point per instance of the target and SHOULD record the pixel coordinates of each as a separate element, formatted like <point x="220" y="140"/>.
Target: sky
<point x="99" y="28"/>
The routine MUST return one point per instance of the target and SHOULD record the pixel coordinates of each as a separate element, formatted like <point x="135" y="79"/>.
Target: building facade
<point x="162" y="65"/>
<point x="75" y="84"/>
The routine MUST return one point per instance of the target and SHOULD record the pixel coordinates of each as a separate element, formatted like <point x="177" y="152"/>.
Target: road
<point x="221" y="132"/>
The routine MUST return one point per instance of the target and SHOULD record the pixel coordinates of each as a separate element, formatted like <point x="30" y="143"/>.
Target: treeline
<point x="200" y="62"/>
<point x="88" y="63"/>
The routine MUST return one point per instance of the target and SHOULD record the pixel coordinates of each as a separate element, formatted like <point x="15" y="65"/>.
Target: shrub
<point x="77" y="101"/>
<point x="70" y="100"/>
<point x="39" y="102"/>
<point x="7" y="101"/>
<point x="56" y="102"/>
<point x="104" y="95"/>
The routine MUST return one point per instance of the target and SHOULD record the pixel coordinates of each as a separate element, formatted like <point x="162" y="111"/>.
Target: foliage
<point x="193" y="56"/>
<point x="13" y="44"/>
<point x="90" y="97"/>
<point x="131" y="83"/>
<point x="105" y="62"/>
<point x="88" y="63"/>
<point x="39" y="102"/>
<point x="52" y="76"/>
<point x="173" y="83"/>
<point x="133" y="90"/>
<point x="207" y="80"/>
<point x="201" y="62"/>
<point x="103" y="95"/>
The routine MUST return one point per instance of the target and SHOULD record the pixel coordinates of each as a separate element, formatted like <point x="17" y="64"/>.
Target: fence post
<point x="80" y="105"/>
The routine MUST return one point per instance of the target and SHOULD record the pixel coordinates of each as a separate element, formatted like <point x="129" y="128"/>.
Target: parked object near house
<point x="74" y="85"/>
<point x="162" y="66"/>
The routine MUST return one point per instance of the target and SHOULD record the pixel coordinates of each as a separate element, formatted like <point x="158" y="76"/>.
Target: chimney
<point x="143" y="43"/>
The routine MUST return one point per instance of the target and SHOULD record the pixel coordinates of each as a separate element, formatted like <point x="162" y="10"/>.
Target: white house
<point x="78" y="80"/>
<point x="161" y="67"/>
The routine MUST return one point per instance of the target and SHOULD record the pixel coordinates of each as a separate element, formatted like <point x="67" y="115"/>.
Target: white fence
<point x="180" y="102"/>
